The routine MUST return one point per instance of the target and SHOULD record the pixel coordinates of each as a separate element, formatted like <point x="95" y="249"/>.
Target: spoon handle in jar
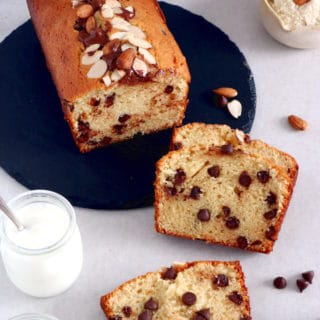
<point x="7" y="211"/>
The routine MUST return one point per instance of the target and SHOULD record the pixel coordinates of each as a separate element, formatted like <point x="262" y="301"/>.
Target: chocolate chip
<point x="195" y="193"/>
<point x="247" y="138"/>
<point x="105" y="141"/>
<point x="271" y="214"/>
<point x="126" y="14"/>
<point x="280" y="282"/>
<point x="124" y="118"/>
<point x="227" y="148"/>
<point x="226" y="211"/>
<point x="96" y="35"/>
<point x="145" y="315"/>
<point x="271" y="199"/>
<point x="96" y="4"/>
<point x="171" y="191"/>
<point x="151" y="304"/>
<point x="170" y="274"/>
<point x="203" y="314"/>
<point x="302" y="284"/>
<point x="94" y="102"/>
<point x="221" y="101"/>
<point x="204" y="215"/>
<point x="308" y="276"/>
<point x="244" y="179"/>
<point x="232" y="223"/>
<point x="127" y="311"/>
<point x="119" y="128"/>
<point x="235" y="297"/>
<point x="177" y="146"/>
<point x="189" y="298"/>
<point x="83" y="128"/>
<point x="214" y="171"/>
<point x="263" y="176"/>
<point x="109" y="100"/>
<point x="271" y="233"/>
<point x="256" y="243"/>
<point x="221" y="280"/>
<point x="168" y="89"/>
<point x="242" y="242"/>
<point x="179" y="177"/>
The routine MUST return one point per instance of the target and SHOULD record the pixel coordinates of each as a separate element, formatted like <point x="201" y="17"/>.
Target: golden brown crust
<point x="107" y="309"/>
<point x="54" y="20"/>
<point x="268" y="247"/>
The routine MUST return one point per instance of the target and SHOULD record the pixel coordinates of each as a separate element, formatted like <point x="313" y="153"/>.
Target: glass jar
<point x="33" y="316"/>
<point x="49" y="270"/>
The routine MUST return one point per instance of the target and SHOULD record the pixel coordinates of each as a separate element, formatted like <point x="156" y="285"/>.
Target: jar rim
<point x="42" y="196"/>
<point x="33" y="316"/>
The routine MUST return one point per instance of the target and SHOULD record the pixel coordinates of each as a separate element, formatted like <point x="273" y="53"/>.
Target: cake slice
<point x="222" y="196"/>
<point x="214" y="134"/>
<point x="116" y="66"/>
<point x="201" y="290"/>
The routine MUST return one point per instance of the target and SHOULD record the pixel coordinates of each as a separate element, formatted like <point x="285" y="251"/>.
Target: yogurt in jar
<point x="45" y="258"/>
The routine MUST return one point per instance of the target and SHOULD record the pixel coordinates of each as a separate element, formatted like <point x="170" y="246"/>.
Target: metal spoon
<point x="7" y="211"/>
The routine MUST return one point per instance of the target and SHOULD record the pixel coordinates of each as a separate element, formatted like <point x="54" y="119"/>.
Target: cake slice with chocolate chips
<point x="201" y="290"/>
<point x="221" y="195"/>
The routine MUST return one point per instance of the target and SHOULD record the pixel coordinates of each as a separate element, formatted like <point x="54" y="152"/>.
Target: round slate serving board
<point x="36" y="147"/>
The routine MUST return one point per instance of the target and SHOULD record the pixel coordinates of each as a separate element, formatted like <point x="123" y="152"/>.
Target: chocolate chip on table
<point x="242" y="242"/>
<point x="189" y="298"/>
<point x="263" y="176"/>
<point x="124" y="118"/>
<point x="151" y="304"/>
<point x="170" y="274"/>
<point x="226" y="211"/>
<point x="195" y="193"/>
<point x="221" y="101"/>
<point x="271" y="214"/>
<point x="308" y="276"/>
<point x="245" y="179"/>
<point x="280" y="282"/>
<point x="271" y="233"/>
<point x="302" y="284"/>
<point x="204" y="215"/>
<point x="109" y="100"/>
<point x="145" y="315"/>
<point x="179" y="177"/>
<point x="221" y="280"/>
<point x="214" y="171"/>
<point x="271" y="199"/>
<point x="232" y="223"/>
<point x="127" y="311"/>
<point x="171" y="191"/>
<point x="203" y="314"/>
<point x="235" y="297"/>
<point x="177" y="146"/>
<point x="168" y="89"/>
<point x="227" y="148"/>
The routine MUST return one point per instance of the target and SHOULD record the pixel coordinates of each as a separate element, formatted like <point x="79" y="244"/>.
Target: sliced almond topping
<point x="88" y="59"/>
<point x="119" y="35"/>
<point x="97" y="70"/>
<point x="147" y="56"/>
<point x="125" y="60"/>
<point x="226" y="92"/>
<point x="297" y="123"/>
<point x="126" y="46"/>
<point x="90" y="24"/>
<point x="235" y="108"/>
<point x="139" y="42"/>
<point x="130" y="9"/>
<point x="117" y="75"/>
<point x="92" y="48"/>
<point x="140" y="67"/>
<point x="113" y="3"/>
<point x="117" y="10"/>
<point x="106" y="11"/>
<point x="240" y="135"/>
<point x="85" y="11"/>
<point x="107" y="80"/>
<point x="120" y="23"/>
<point x="137" y="32"/>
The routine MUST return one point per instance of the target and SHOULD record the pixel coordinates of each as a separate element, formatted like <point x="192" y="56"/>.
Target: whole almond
<point x="125" y="60"/>
<point x="297" y="123"/>
<point x="85" y="11"/>
<point x="300" y="2"/>
<point x="111" y="47"/>
<point x="226" y="92"/>
<point x="90" y="24"/>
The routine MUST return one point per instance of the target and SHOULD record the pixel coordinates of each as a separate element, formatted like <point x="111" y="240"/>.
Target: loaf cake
<point x="221" y="195"/>
<point x="214" y="134"/>
<point x="116" y="66"/>
<point x="201" y="290"/>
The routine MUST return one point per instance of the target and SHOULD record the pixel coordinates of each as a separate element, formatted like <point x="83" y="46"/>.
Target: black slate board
<point x="36" y="147"/>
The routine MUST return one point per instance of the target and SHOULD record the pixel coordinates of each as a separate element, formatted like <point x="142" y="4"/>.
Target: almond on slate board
<point x="297" y="123"/>
<point x="226" y="92"/>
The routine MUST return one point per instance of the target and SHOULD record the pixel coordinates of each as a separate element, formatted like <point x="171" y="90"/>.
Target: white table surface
<point x="122" y="245"/>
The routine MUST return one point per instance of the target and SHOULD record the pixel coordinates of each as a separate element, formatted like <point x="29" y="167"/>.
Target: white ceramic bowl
<point x="302" y="38"/>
